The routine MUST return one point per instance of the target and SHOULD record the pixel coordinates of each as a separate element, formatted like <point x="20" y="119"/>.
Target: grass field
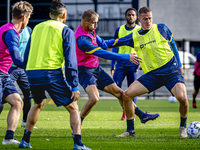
<point x="103" y="124"/>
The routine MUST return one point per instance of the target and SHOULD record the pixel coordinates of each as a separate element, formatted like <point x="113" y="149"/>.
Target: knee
<point x="182" y="100"/>
<point x="126" y="97"/>
<point x="195" y="92"/>
<point x="119" y="95"/>
<point x="93" y="100"/>
<point x="74" y="106"/>
<point x="18" y="103"/>
<point x="41" y="105"/>
<point x="118" y="92"/>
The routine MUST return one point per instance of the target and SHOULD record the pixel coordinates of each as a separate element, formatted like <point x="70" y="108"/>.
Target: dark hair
<point x="130" y="9"/>
<point x="21" y="8"/>
<point x="144" y="10"/>
<point x="57" y="8"/>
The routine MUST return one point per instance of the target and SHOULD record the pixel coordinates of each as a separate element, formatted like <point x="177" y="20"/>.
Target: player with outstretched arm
<point x="155" y="44"/>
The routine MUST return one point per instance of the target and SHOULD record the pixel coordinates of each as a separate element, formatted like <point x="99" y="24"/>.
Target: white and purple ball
<point x="193" y="130"/>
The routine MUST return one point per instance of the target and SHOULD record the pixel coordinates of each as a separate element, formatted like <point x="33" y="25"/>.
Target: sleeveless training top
<point x="84" y="59"/>
<point x="5" y="58"/>
<point x="153" y="48"/>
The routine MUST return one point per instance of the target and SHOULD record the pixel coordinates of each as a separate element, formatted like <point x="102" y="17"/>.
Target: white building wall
<point x="181" y="16"/>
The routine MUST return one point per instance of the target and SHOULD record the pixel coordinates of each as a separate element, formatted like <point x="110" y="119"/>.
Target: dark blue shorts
<point x="58" y="91"/>
<point x="7" y="87"/>
<point x="130" y="72"/>
<point x="19" y="75"/>
<point x="93" y="76"/>
<point x="167" y="75"/>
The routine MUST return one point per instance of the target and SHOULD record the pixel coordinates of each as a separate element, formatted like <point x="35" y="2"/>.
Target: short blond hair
<point x="21" y="8"/>
<point x="89" y="14"/>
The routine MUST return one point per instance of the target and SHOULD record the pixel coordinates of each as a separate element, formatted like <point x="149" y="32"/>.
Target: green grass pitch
<point x="102" y="125"/>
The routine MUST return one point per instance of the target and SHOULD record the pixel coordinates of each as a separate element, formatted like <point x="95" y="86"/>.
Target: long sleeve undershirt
<point x="11" y="40"/>
<point x="85" y="44"/>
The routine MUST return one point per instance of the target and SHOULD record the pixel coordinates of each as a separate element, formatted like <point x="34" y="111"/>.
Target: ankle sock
<point x="26" y="136"/>
<point x="9" y="134"/>
<point x="77" y="139"/>
<point x="130" y="125"/>
<point x="139" y="113"/>
<point x="183" y="122"/>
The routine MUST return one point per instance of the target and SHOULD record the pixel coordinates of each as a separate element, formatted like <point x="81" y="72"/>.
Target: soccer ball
<point x="193" y="130"/>
<point x="172" y="99"/>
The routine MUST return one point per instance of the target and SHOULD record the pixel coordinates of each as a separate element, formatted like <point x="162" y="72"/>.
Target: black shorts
<point x="196" y="82"/>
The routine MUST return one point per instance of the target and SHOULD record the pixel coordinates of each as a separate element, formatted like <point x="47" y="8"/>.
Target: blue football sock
<point x="77" y="139"/>
<point x="9" y="134"/>
<point x="183" y="122"/>
<point x="26" y="136"/>
<point x="130" y="125"/>
<point x="139" y="113"/>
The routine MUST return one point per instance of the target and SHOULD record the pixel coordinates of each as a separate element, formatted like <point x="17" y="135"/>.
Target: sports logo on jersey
<point x="143" y="45"/>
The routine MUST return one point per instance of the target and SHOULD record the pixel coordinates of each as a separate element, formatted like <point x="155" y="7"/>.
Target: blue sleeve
<point x="116" y="33"/>
<point x="11" y="40"/>
<point x="85" y="44"/>
<point x="29" y="30"/>
<point x="71" y="69"/>
<point x="110" y="55"/>
<point x="115" y="49"/>
<point x="127" y="40"/>
<point x="167" y="34"/>
<point x="101" y="43"/>
<point x="175" y="50"/>
<point x="26" y="53"/>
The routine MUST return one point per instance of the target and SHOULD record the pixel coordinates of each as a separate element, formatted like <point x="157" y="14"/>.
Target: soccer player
<point x="91" y="76"/>
<point x="155" y="44"/>
<point x="18" y="74"/>
<point x="124" y="68"/>
<point x="51" y="44"/>
<point x="196" y="80"/>
<point x="9" y="52"/>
